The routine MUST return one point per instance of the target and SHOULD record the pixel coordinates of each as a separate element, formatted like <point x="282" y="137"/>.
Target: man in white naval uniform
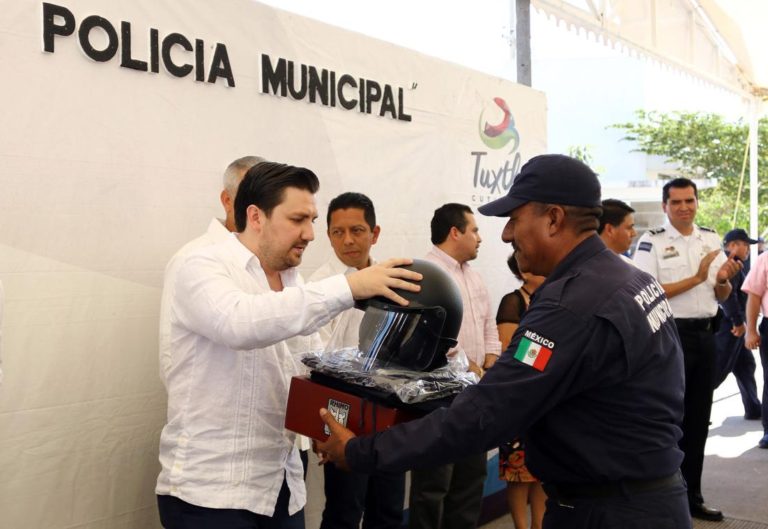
<point x="693" y="271"/>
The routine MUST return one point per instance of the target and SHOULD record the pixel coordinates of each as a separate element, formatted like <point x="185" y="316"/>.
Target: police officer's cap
<point x="738" y="235"/>
<point x="550" y="179"/>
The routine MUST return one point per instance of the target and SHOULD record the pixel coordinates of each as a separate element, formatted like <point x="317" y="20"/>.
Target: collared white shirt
<point x="343" y="330"/>
<point x="478" y="335"/>
<point x="215" y="233"/>
<point x="225" y="445"/>
<point x="670" y="257"/>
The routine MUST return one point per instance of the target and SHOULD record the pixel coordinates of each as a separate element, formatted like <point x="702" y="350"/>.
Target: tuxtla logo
<point x="503" y="136"/>
<point x="498" y="136"/>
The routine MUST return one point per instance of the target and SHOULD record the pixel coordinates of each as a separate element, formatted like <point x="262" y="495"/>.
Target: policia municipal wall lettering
<point x="327" y="87"/>
<point x="59" y="21"/>
<point x="282" y="78"/>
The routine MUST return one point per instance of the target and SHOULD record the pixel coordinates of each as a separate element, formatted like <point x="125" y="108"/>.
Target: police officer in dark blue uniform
<point x="731" y="355"/>
<point x="593" y="377"/>
<point x="693" y="270"/>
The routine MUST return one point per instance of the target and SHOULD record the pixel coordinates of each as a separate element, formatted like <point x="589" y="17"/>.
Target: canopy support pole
<point x="754" y="229"/>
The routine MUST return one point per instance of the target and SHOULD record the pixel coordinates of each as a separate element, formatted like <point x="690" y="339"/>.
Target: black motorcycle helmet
<point x="417" y="336"/>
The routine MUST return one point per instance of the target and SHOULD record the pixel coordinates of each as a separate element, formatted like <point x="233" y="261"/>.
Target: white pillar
<point x="523" y="40"/>
<point x="754" y="229"/>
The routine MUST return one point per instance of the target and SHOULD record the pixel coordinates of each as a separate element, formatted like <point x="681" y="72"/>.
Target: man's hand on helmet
<point x="381" y="280"/>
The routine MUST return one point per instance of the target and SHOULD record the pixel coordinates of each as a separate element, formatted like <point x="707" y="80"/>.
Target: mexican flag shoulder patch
<point x="534" y="350"/>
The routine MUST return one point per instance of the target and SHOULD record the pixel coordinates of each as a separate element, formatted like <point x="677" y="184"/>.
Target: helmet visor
<point x="403" y="336"/>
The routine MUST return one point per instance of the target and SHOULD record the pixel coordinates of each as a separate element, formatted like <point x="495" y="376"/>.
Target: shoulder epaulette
<point x="703" y="228"/>
<point x="656" y="231"/>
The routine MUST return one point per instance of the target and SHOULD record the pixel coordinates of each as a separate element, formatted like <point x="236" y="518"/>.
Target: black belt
<point x="560" y="491"/>
<point x="695" y="324"/>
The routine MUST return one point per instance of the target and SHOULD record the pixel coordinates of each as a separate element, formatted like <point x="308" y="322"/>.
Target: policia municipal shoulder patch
<point x="534" y="350"/>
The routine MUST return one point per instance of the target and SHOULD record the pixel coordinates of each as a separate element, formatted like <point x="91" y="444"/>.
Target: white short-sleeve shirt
<point x="669" y="256"/>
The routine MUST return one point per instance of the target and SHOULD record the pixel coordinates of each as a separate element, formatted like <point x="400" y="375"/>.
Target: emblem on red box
<point x="340" y="412"/>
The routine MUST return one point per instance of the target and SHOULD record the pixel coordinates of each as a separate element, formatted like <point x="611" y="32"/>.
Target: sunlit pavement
<point x="735" y="469"/>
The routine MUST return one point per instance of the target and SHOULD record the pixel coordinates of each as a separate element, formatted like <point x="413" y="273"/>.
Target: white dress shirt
<point x="670" y="256"/>
<point x="215" y="233"/>
<point x="344" y="328"/>
<point x="225" y="445"/>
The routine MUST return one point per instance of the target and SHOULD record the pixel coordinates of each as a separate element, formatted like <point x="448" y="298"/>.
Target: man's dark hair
<point x="583" y="219"/>
<point x="580" y="218"/>
<point x="514" y="267"/>
<point x="446" y="217"/>
<point x="356" y="201"/>
<point x="264" y="186"/>
<point x="614" y="213"/>
<point x="678" y="183"/>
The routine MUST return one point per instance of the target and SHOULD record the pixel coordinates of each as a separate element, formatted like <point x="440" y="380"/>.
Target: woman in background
<point x="522" y="487"/>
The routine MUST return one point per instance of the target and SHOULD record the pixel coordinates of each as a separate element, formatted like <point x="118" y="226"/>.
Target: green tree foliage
<point x="582" y="153"/>
<point x="706" y="146"/>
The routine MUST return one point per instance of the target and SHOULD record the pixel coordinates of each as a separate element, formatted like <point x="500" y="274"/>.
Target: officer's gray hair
<point x="236" y="170"/>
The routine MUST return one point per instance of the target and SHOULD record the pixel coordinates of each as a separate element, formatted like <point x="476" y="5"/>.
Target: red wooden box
<point x="359" y="414"/>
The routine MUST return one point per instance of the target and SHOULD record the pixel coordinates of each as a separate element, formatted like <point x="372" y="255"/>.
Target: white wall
<point x="105" y="171"/>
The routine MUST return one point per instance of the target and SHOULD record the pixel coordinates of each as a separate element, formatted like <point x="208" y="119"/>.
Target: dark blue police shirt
<point x="735" y="304"/>
<point x="606" y="405"/>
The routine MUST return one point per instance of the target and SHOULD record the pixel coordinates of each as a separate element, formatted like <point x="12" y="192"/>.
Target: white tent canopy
<point x="742" y="25"/>
<point x="720" y="41"/>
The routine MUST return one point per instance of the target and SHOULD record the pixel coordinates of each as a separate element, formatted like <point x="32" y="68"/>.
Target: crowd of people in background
<point x="236" y="315"/>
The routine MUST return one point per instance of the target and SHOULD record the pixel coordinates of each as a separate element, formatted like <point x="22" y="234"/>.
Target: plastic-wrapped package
<point x="353" y="366"/>
<point x="399" y="354"/>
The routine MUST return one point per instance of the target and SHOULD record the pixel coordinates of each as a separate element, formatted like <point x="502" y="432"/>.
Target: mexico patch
<point x="534" y="350"/>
